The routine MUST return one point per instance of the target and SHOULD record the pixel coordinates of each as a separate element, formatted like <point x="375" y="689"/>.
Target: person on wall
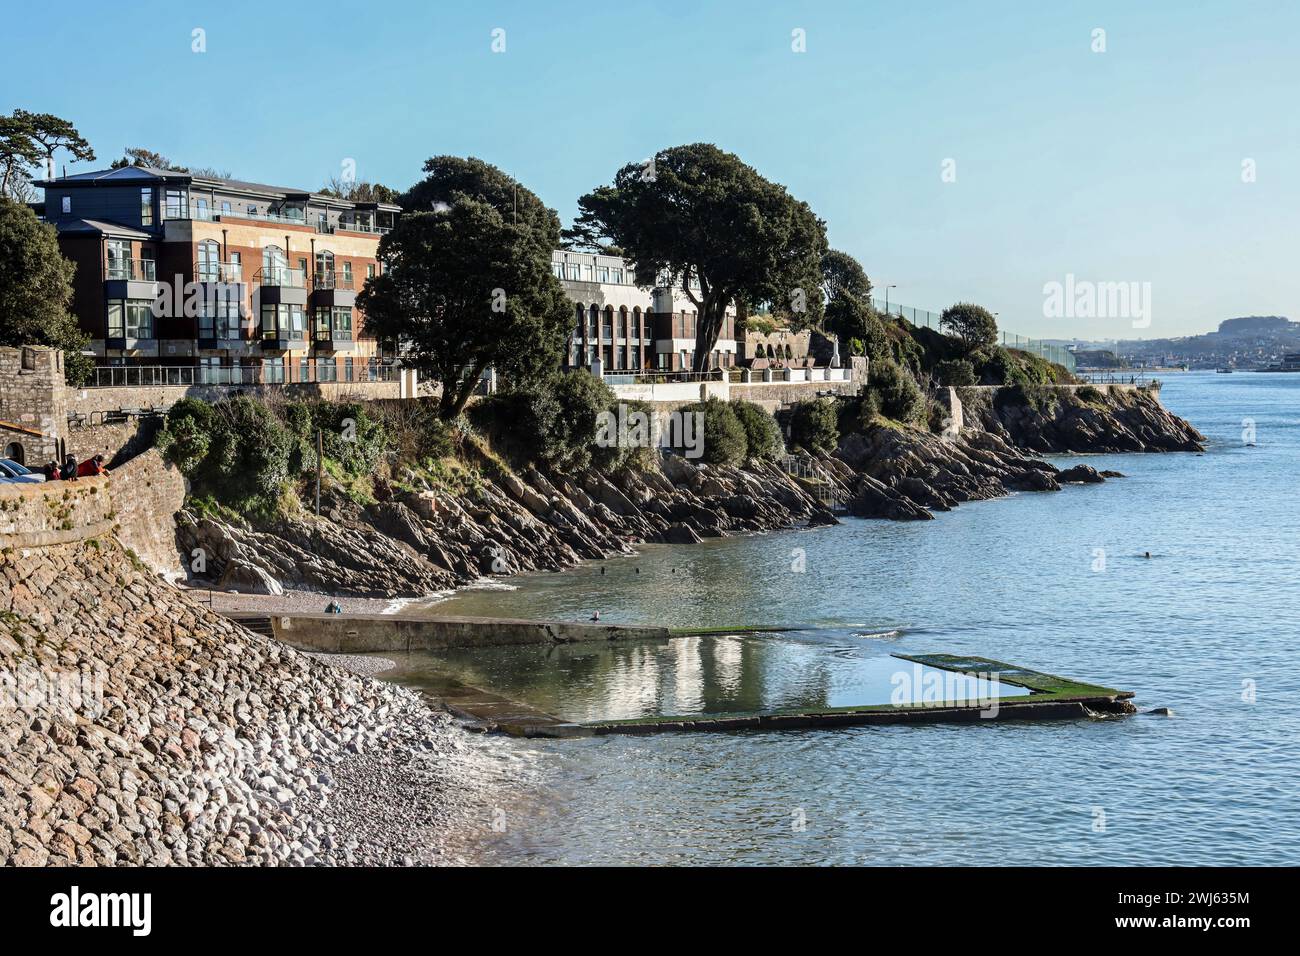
<point x="91" y="467"/>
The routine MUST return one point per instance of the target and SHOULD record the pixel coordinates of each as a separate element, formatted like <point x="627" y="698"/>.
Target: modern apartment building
<point x="629" y="328"/>
<point x="239" y="281"/>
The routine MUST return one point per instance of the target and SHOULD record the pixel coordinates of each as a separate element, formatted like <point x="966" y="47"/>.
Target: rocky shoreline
<point x="140" y="728"/>
<point x="418" y="543"/>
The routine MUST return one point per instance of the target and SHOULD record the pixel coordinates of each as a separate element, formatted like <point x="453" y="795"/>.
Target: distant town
<point x="1253" y="342"/>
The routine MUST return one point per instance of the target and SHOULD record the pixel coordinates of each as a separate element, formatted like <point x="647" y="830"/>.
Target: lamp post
<point x="887" y="288"/>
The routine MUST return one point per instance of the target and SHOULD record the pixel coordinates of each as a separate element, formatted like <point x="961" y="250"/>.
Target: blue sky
<point x="1122" y="166"/>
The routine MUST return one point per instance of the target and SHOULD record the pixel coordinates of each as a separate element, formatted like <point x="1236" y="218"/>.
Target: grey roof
<point x="109" y="176"/>
<point x="101" y="227"/>
<point x="150" y="173"/>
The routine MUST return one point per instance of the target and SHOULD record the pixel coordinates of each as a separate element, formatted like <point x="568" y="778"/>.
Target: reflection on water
<point x="1013" y="580"/>
<point x="623" y="680"/>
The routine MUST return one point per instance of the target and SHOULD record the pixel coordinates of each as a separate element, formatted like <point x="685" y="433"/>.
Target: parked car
<point x="13" y="473"/>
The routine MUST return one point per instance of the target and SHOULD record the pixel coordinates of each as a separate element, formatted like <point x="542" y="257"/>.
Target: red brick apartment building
<point x="263" y="279"/>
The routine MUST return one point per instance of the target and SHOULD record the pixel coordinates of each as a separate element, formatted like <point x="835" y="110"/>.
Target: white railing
<point x="135" y="376"/>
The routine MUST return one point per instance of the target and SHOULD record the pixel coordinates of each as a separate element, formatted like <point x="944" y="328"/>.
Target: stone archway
<point x="14" y="452"/>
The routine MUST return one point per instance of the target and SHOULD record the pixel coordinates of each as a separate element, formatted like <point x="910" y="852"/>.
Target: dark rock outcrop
<point x="418" y="543"/>
<point x="1087" y="419"/>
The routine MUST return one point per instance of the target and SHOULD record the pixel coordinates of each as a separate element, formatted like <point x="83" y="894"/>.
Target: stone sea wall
<point x="136" y="502"/>
<point x="136" y="727"/>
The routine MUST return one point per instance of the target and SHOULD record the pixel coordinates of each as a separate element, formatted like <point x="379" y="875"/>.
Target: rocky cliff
<point x="1086" y="419"/>
<point x="137" y="727"/>
<point x="419" y="542"/>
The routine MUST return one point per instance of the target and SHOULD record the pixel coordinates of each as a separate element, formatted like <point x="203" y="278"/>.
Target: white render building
<point x="626" y="327"/>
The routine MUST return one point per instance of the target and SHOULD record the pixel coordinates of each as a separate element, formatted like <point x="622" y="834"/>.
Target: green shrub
<point x="520" y="424"/>
<point x="724" y="436"/>
<point x="814" y="425"/>
<point x="955" y="372"/>
<point x="897" y="394"/>
<point x="186" y="435"/>
<point x="762" y="433"/>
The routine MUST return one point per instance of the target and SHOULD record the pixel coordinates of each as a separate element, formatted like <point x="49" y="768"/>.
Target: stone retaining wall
<point x="136" y="503"/>
<point x="360" y="633"/>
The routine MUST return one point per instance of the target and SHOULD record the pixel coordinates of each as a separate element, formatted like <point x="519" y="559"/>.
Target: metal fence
<point x="930" y="320"/>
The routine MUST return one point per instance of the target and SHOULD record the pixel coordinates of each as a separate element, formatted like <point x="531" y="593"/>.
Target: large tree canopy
<point x="469" y="285"/>
<point x="450" y="176"/>
<point x="973" y="324"/>
<point x="842" y="274"/>
<point x="36" y="288"/>
<point x="710" y="225"/>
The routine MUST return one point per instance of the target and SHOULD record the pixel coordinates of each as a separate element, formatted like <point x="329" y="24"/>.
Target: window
<point x="557" y="268"/>
<point x="252" y="209"/>
<point x="208" y="267"/>
<point x="146" y="206"/>
<point x="274" y="263"/>
<point x="282" y="321"/>
<point x="176" y="204"/>
<point x="326" y="370"/>
<point x="347" y="274"/>
<point x="586" y="272"/>
<point x="347" y="369"/>
<point x="602" y="274"/>
<point x="67" y="205"/>
<point x="130" y="319"/>
<point x="617" y="275"/>
<point x="225" y="206"/>
<point x="273" y="371"/>
<point x="304" y="370"/>
<point x="342" y="323"/>
<point x="324" y="269"/>
<point x="370" y="270"/>
<point x="201" y="205"/>
<point x="117" y="263"/>
<point x="575" y="271"/>
<point x="147" y="269"/>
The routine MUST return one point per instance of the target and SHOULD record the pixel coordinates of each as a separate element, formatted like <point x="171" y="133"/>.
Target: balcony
<point x="209" y="270"/>
<point x="363" y="227"/>
<point x="283" y="336"/>
<point x="334" y="340"/>
<point x="282" y="285"/>
<point x="130" y="278"/>
<point x="329" y="289"/>
<point x="282" y="276"/>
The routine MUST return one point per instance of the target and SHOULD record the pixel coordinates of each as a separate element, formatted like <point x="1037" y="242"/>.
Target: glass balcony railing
<point x="282" y="276"/>
<point x="209" y="270"/>
<point x="120" y="268"/>
<point x="331" y="280"/>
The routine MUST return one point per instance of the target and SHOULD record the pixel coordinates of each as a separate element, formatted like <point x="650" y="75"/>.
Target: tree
<point x="19" y="153"/>
<point x="36" y="288"/>
<point x="140" y="156"/>
<point x="814" y="425"/>
<point x="956" y="372"/>
<point x="356" y="190"/>
<point x="450" y="176"/>
<point x="973" y="324"/>
<point x="470" y="287"/>
<point x="842" y="274"/>
<point x="851" y="319"/>
<point x="700" y="220"/>
<point x="51" y="133"/>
